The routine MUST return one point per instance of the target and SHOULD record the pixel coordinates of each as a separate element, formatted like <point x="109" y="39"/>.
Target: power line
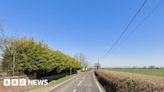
<point x="145" y="18"/>
<point x="126" y="28"/>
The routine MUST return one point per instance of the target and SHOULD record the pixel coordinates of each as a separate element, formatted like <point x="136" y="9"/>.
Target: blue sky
<point x="90" y="27"/>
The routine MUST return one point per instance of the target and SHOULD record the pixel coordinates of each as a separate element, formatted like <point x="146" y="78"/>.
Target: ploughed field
<point x="152" y="72"/>
<point x="116" y="81"/>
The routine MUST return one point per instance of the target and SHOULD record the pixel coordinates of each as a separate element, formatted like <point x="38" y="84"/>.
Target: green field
<point x="154" y="72"/>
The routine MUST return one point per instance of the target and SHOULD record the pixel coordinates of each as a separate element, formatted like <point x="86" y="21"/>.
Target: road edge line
<point x="62" y="83"/>
<point x="97" y="83"/>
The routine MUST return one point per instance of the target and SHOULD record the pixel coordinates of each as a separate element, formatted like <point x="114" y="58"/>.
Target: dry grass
<point x="126" y="82"/>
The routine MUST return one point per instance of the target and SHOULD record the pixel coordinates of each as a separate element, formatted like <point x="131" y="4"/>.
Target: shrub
<point x="36" y="57"/>
<point x="126" y="82"/>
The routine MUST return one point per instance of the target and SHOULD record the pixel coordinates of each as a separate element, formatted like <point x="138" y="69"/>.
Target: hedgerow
<point x="36" y="57"/>
<point x="126" y="82"/>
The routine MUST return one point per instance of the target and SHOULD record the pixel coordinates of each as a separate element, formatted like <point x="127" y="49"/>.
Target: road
<point x="85" y="82"/>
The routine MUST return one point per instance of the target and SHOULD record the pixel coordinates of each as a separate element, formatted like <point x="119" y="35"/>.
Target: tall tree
<point x="35" y="57"/>
<point x="82" y="59"/>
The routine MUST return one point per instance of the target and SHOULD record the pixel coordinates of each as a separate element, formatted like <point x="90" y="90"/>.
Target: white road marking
<point x="74" y="90"/>
<point x="98" y="85"/>
<point x="79" y="83"/>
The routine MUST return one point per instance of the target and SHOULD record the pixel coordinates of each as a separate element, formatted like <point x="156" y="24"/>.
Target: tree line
<point x="31" y="57"/>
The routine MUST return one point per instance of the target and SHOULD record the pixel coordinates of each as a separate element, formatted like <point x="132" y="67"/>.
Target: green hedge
<point x="32" y="57"/>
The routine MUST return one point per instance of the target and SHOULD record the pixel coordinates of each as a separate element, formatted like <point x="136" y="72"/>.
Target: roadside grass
<point x="53" y="83"/>
<point x="152" y="72"/>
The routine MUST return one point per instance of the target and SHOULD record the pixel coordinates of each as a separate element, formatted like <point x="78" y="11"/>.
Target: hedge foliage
<point x="32" y="56"/>
<point x="126" y="82"/>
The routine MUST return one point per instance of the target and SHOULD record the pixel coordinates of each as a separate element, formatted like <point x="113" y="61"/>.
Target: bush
<point x="126" y="82"/>
<point x="33" y="57"/>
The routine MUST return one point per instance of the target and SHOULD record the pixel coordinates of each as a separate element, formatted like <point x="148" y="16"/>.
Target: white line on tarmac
<point x="98" y="85"/>
<point x="79" y="83"/>
<point x="74" y="90"/>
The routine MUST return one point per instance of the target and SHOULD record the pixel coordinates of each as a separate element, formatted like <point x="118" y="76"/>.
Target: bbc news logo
<point x="24" y="82"/>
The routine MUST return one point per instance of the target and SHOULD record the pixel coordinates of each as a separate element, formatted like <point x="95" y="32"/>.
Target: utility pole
<point x="70" y="71"/>
<point x="81" y="61"/>
<point x="98" y="64"/>
<point x="14" y="58"/>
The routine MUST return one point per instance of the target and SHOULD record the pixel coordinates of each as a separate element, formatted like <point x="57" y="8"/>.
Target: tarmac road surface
<point x="85" y="82"/>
